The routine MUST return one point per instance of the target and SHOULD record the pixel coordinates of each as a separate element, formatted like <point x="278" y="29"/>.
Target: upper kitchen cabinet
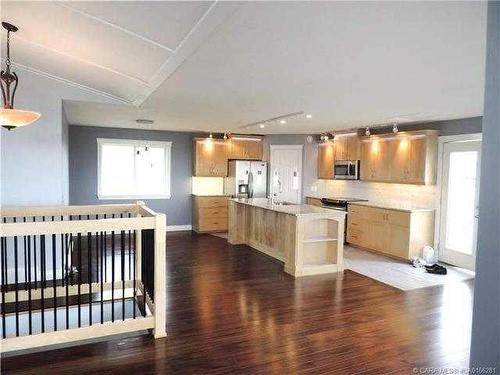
<point x="405" y="158"/>
<point x="210" y="157"/>
<point x="375" y="160"/>
<point x="326" y="159"/>
<point x="347" y="147"/>
<point x="245" y="148"/>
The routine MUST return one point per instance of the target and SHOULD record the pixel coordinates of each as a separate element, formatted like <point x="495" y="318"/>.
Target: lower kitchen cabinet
<point x="397" y="233"/>
<point x="210" y="214"/>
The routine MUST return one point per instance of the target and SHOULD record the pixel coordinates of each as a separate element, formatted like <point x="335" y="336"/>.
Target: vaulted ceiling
<point x="221" y="65"/>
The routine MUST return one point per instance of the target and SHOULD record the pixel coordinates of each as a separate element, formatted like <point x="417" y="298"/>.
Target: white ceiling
<point x="220" y="65"/>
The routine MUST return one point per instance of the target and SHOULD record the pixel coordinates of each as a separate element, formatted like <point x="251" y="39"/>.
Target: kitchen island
<point x="308" y="239"/>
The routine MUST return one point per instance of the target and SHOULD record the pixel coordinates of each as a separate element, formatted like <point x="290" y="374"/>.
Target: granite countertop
<point x="293" y="209"/>
<point x="406" y="207"/>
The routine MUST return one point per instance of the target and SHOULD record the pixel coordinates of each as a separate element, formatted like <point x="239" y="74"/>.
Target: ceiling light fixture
<point x="282" y="121"/>
<point x="395" y="128"/>
<point x="262" y="126"/>
<point x="210" y="135"/>
<point x="225" y="136"/>
<point x="309" y="116"/>
<point x="367" y="131"/>
<point x="11" y="118"/>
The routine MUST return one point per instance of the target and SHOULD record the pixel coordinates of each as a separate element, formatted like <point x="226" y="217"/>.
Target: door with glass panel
<point x="459" y="203"/>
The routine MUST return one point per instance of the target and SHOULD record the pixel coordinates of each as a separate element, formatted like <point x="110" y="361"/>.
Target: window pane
<point x="117" y="169"/>
<point x="461" y="201"/>
<point x="150" y="167"/>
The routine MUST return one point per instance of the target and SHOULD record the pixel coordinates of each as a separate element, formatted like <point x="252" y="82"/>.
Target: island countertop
<point x="291" y="209"/>
<point x="308" y="239"/>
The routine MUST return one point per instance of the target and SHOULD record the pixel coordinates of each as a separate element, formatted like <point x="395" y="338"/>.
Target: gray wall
<point x="83" y="169"/>
<point x="448" y="127"/>
<point x="485" y="344"/>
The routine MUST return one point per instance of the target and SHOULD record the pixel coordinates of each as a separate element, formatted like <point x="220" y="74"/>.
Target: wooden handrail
<point x="37" y="211"/>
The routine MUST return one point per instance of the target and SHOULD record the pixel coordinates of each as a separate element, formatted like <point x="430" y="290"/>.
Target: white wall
<point x="34" y="159"/>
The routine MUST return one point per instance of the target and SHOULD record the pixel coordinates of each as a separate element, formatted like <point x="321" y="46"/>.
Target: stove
<point x="340" y="204"/>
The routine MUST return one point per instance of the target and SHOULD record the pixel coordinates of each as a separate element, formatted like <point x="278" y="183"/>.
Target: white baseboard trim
<point x="176" y="228"/>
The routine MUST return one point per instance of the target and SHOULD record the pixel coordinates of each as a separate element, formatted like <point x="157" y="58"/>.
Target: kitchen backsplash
<point x="422" y="196"/>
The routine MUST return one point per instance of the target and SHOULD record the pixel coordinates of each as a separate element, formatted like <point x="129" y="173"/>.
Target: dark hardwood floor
<point x="233" y="310"/>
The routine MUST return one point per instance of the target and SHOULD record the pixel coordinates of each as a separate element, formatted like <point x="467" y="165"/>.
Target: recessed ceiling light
<point x="282" y="121"/>
<point x="309" y="116"/>
<point x="262" y="126"/>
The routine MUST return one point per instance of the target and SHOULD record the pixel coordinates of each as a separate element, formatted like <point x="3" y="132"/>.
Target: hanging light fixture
<point x="367" y="131"/>
<point x="11" y="118"/>
<point x="395" y="128"/>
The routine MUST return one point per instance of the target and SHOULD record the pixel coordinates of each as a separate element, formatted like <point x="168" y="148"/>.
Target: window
<point x="129" y="169"/>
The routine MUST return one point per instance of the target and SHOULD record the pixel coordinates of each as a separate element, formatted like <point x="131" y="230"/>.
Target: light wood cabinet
<point x="210" y="214"/>
<point x="375" y="160"/>
<point x="245" y="148"/>
<point x="407" y="158"/>
<point x="347" y="147"/>
<point x="326" y="159"/>
<point x="342" y="148"/>
<point x="210" y="157"/>
<point x="401" y="234"/>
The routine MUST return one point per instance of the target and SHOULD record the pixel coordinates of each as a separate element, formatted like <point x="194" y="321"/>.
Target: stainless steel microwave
<point x="346" y="170"/>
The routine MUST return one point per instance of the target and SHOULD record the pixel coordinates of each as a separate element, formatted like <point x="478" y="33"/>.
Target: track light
<point x="325" y="137"/>
<point x="367" y="131"/>
<point x="395" y="128"/>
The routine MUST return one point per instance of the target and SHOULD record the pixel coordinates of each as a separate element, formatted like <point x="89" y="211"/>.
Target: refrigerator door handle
<point x="250" y="185"/>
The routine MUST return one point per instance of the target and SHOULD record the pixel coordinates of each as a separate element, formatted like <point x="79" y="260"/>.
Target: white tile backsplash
<point x="416" y="195"/>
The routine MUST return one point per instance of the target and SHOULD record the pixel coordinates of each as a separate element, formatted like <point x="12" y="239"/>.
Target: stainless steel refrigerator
<point x="246" y="179"/>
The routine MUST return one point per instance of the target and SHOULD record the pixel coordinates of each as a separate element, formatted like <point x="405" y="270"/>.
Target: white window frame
<point x="167" y="146"/>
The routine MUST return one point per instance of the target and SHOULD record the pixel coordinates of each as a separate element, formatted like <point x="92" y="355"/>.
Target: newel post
<point x="159" y="276"/>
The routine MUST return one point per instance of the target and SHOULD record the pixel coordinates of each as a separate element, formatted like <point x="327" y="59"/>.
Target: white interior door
<point x="459" y="203"/>
<point x="286" y="173"/>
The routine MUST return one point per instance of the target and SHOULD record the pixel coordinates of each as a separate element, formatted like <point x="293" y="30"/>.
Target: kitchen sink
<point x="284" y="204"/>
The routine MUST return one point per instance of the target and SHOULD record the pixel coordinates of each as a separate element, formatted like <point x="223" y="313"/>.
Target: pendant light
<point x="11" y="118"/>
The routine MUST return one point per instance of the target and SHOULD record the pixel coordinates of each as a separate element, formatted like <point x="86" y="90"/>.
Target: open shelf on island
<point x="319" y="243"/>
<point x="319" y="239"/>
